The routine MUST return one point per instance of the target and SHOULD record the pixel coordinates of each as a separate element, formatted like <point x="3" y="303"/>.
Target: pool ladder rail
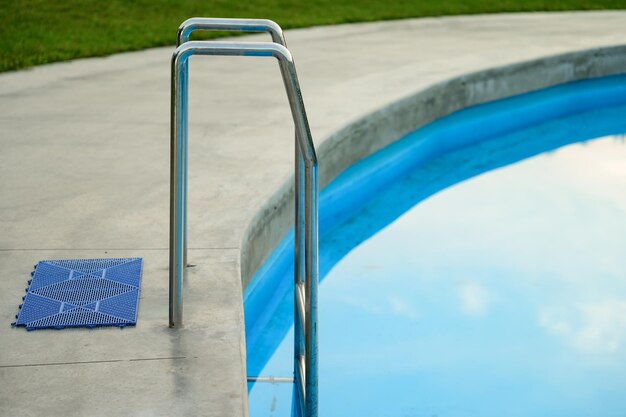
<point x="306" y="189"/>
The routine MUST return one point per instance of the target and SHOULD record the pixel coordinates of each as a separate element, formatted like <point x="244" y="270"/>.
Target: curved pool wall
<point x="473" y="140"/>
<point x="372" y="132"/>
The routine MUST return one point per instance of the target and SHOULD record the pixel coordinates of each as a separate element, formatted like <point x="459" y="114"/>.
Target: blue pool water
<point x="502" y="293"/>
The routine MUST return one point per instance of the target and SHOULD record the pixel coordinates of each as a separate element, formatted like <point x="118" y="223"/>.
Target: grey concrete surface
<point x="85" y="170"/>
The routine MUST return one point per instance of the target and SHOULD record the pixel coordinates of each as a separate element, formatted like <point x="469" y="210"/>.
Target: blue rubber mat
<point x="82" y="293"/>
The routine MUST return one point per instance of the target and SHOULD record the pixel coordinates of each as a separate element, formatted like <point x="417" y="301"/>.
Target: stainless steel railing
<point x="238" y="25"/>
<point x="306" y="189"/>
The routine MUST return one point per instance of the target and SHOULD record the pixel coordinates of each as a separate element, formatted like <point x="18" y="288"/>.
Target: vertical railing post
<point x="178" y="187"/>
<point x="311" y="283"/>
<point x="183" y="120"/>
<point x="306" y="241"/>
<point x="299" y="324"/>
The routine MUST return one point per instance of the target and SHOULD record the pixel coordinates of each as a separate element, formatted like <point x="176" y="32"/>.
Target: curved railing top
<point x="233" y="49"/>
<point x="238" y="25"/>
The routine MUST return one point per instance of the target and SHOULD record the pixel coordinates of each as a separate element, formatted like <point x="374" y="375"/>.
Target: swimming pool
<point x="501" y="295"/>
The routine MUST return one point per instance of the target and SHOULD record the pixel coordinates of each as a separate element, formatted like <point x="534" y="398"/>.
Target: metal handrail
<point x="306" y="270"/>
<point x="234" y="25"/>
<point x="264" y="25"/>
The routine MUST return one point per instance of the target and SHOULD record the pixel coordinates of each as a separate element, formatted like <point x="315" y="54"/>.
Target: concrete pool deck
<point x="85" y="173"/>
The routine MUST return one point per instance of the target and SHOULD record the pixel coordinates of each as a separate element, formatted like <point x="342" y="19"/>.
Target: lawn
<point x="35" y="32"/>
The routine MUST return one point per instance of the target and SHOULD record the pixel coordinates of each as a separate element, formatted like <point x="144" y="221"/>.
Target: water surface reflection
<point x="504" y="295"/>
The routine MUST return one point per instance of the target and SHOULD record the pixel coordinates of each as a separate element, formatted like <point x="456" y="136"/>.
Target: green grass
<point x="34" y="32"/>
